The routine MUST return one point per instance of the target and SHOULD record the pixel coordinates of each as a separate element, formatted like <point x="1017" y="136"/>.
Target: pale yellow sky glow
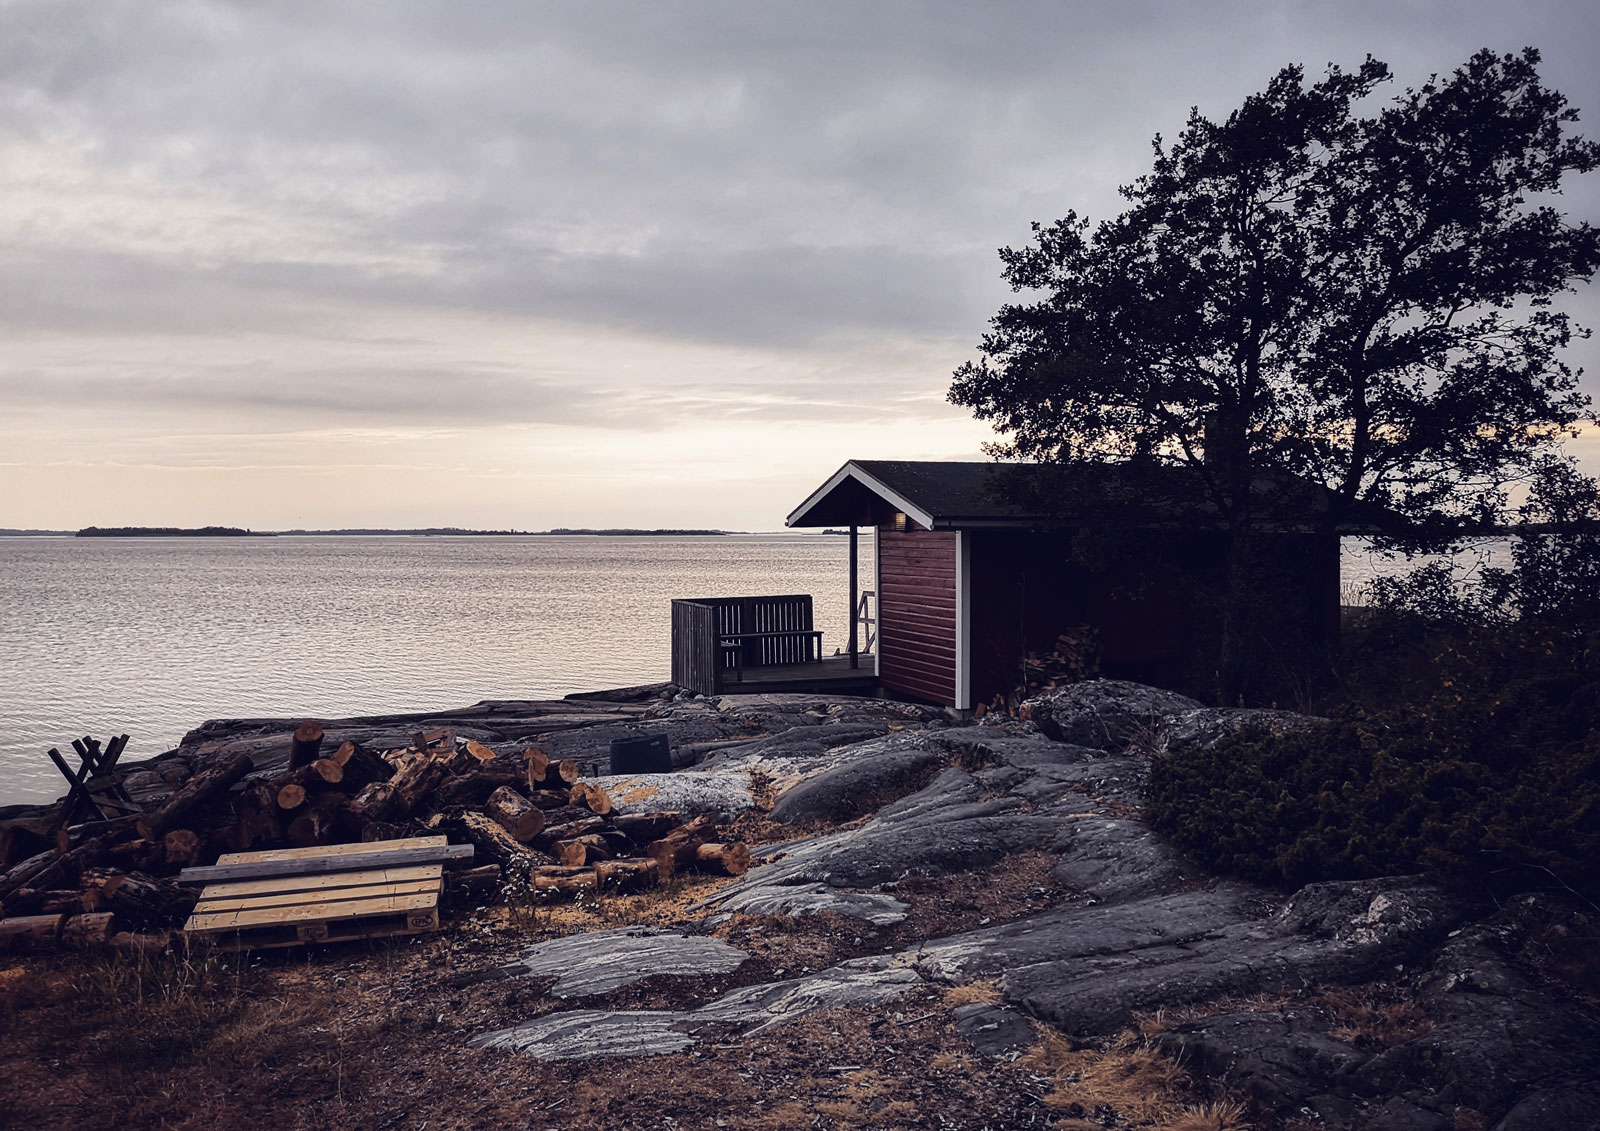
<point x="283" y="265"/>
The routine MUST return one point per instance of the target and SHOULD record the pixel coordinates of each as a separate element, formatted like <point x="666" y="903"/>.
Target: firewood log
<point x="182" y="847"/>
<point x="519" y="816"/>
<point x="141" y="900"/>
<point x="384" y="830"/>
<point x="554" y="775"/>
<point x="642" y="828"/>
<point x="395" y="798"/>
<point x="473" y="789"/>
<point x="472" y="887"/>
<point x="148" y="945"/>
<point x="678" y="846"/>
<point x="628" y="875"/>
<point x="479" y="751"/>
<point x="563" y="880"/>
<point x="23" y="874"/>
<point x="255" y="822"/>
<point x="51" y="932"/>
<point x="306" y="744"/>
<point x="23" y="901"/>
<point x="291" y="796"/>
<point x="59" y="903"/>
<point x="537" y="762"/>
<point x="583" y="850"/>
<point x="193" y="795"/>
<point x="551" y="798"/>
<point x="317" y="822"/>
<point x="723" y="859"/>
<point x="592" y="797"/>
<point x="568" y="830"/>
<point x="494" y="843"/>
<point x="361" y="766"/>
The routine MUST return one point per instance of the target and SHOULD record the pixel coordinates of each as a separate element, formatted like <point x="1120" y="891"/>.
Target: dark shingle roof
<point x="951" y="494"/>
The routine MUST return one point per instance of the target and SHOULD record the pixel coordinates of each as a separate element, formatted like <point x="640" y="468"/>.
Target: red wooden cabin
<point x="968" y="583"/>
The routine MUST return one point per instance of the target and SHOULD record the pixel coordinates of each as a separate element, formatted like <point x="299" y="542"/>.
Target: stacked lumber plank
<point x="290" y="896"/>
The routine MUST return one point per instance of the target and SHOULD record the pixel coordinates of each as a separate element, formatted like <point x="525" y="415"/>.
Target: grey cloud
<point x="765" y="175"/>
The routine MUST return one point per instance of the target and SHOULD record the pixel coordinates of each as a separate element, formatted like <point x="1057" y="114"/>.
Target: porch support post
<point x="855" y="597"/>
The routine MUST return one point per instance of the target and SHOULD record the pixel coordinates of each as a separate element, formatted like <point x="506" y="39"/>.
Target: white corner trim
<point x="963" y="622"/>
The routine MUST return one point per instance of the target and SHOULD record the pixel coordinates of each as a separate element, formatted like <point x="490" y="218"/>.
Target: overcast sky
<point x="548" y="264"/>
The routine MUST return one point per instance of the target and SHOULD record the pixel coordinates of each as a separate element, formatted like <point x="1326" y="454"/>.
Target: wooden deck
<point x="833" y="674"/>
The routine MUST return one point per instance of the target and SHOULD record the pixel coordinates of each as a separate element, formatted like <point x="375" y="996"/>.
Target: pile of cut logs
<point x="541" y="830"/>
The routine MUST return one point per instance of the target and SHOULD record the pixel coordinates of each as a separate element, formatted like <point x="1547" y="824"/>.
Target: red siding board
<point x="917" y="604"/>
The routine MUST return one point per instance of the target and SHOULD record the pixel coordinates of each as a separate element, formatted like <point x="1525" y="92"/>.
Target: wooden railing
<point x="868" y="622"/>
<point x="713" y="635"/>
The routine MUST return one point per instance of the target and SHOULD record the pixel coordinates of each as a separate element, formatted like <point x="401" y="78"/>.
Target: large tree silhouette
<point x="1355" y="292"/>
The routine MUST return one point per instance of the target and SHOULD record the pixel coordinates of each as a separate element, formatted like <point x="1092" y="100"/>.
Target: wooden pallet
<point x="310" y="899"/>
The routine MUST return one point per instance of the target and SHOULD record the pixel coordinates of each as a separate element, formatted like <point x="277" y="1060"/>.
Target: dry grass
<point x="1374" y="1015"/>
<point x="1127" y="1077"/>
<point x="985" y="990"/>
<point x="1378" y="1015"/>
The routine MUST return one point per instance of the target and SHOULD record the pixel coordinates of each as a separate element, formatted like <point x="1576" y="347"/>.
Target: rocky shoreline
<point x="878" y="792"/>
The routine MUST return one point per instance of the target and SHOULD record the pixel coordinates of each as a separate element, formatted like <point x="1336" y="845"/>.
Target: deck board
<point x="833" y="673"/>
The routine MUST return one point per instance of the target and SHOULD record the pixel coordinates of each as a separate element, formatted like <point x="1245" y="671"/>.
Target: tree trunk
<point x="642" y="828"/>
<point x="592" y="797"/>
<point x="519" y="816"/>
<point x="491" y="840"/>
<point x="473" y="789"/>
<point x="677" y="848"/>
<point x="583" y="850"/>
<point x="142" y="900"/>
<point x="195" y="793"/>
<point x="318" y="824"/>
<point x="306" y="744"/>
<point x="182" y="847"/>
<point x="633" y="874"/>
<point x="50" y="932"/>
<point x="562" y="880"/>
<point x="723" y="859"/>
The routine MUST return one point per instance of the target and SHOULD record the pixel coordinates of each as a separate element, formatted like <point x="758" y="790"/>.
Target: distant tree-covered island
<point x="460" y="532"/>
<point x="364" y="531"/>
<point x="169" y="532"/>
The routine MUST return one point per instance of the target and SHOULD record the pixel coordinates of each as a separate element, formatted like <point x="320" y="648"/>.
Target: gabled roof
<point x="934" y="494"/>
<point x="955" y="495"/>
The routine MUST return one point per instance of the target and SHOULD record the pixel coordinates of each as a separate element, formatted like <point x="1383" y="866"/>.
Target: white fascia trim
<point x="872" y="483"/>
<point x="963" y="622"/>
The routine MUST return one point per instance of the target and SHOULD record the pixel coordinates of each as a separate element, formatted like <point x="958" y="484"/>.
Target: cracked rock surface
<point x="602" y="961"/>
<point x="584" y="1034"/>
<point x="1141" y="929"/>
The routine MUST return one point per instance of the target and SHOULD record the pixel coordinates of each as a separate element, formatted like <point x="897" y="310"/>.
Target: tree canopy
<point x="1357" y="292"/>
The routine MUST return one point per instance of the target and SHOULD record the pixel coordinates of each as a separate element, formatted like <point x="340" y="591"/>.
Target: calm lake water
<point x="150" y="637"/>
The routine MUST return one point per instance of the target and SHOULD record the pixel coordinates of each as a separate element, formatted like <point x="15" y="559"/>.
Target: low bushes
<point x="1498" y="770"/>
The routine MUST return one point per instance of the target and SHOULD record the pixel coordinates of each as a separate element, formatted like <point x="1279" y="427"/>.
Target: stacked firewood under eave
<point x="534" y="825"/>
<point x="1074" y="658"/>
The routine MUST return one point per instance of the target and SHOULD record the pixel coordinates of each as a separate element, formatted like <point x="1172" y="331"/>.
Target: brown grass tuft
<point x="985" y="990"/>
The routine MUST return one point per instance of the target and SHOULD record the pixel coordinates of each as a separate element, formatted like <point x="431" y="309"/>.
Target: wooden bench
<point x="810" y="641"/>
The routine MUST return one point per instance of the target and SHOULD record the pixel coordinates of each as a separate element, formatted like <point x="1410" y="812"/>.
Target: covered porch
<point x="731" y="645"/>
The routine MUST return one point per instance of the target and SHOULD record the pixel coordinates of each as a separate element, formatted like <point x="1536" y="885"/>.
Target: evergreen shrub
<point x="1497" y="771"/>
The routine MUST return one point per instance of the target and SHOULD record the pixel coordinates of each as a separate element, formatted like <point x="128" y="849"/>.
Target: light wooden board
<point x="329" y="850"/>
<point x="325" y="882"/>
<point x="311" y="913"/>
<point x="331" y="898"/>
<point x="375" y="856"/>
